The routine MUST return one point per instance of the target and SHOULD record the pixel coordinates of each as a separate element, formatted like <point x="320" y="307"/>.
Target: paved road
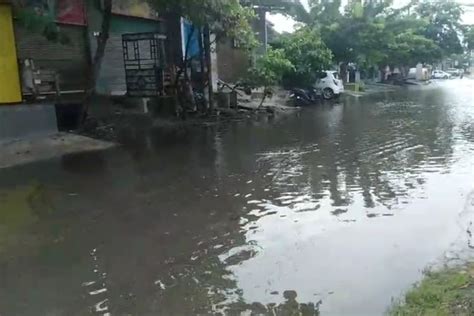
<point x="337" y="208"/>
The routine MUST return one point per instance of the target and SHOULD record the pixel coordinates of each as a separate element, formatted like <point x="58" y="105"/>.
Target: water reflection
<point x="237" y="218"/>
<point x="289" y="307"/>
<point x="380" y="155"/>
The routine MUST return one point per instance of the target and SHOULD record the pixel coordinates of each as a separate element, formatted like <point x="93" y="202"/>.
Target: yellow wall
<point x="10" y="91"/>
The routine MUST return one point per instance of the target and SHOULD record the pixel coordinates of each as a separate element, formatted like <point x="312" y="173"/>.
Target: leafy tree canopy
<point x="307" y="52"/>
<point x="269" y="69"/>
<point x="374" y="33"/>
<point x="469" y="37"/>
<point x="44" y="24"/>
<point x="444" y="24"/>
<point x="225" y="18"/>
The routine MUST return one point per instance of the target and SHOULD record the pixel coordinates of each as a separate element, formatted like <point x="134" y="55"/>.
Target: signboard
<point x="189" y="39"/>
<point x="70" y="12"/>
<point x="134" y="8"/>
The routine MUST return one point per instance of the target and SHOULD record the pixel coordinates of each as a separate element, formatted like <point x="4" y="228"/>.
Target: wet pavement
<point x="336" y="209"/>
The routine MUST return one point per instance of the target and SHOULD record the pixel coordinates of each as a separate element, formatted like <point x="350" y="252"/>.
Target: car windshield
<point x="336" y="75"/>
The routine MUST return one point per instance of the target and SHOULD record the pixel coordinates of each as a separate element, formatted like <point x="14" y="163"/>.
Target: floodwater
<point x="335" y="210"/>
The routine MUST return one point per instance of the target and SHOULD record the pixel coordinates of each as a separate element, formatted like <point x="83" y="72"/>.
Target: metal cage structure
<point x="144" y="62"/>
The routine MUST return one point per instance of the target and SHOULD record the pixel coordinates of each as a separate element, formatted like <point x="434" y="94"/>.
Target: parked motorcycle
<point x="304" y="97"/>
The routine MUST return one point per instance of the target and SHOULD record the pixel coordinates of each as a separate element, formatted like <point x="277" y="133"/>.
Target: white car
<point x="329" y="84"/>
<point x="454" y="72"/>
<point x="439" y="74"/>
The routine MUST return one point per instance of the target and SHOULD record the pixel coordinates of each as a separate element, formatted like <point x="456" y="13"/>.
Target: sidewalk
<point x="372" y="88"/>
<point x="22" y="151"/>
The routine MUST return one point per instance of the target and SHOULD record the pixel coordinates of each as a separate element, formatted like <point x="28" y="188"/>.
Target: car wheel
<point x="445" y="77"/>
<point x="328" y="94"/>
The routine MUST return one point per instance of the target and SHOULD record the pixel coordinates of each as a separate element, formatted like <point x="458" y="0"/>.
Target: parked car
<point x="439" y="74"/>
<point x="329" y="84"/>
<point x="454" y="72"/>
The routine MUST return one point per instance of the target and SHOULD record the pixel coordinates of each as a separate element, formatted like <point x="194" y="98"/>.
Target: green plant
<point x="446" y="292"/>
<point x="268" y="71"/>
<point x="308" y="54"/>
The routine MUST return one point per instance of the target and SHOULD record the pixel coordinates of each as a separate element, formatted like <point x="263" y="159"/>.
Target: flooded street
<point x="335" y="209"/>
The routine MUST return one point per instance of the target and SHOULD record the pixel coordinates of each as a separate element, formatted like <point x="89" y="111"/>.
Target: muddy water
<point x="333" y="210"/>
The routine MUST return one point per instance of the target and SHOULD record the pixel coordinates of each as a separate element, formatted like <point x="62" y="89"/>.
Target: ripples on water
<point x="358" y="170"/>
<point x="325" y="207"/>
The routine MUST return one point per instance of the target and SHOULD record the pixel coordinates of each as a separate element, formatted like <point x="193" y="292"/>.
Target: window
<point x="322" y="75"/>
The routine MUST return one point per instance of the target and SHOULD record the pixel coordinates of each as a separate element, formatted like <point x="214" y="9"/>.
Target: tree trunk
<point x="186" y="88"/>
<point x="202" y="62"/>
<point x="263" y="99"/>
<point x="343" y="68"/>
<point x="207" y="51"/>
<point x="98" y="56"/>
<point x="175" y="54"/>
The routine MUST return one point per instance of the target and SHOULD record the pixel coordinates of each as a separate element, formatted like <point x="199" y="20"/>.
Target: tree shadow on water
<point x="290" y="307"/>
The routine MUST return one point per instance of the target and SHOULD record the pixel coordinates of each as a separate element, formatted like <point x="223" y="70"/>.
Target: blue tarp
<point x="193" y="45"/>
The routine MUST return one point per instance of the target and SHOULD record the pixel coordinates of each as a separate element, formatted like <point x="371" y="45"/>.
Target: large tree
<point x="357" y="35"/>
<point x="469" y="37"/>
<point x="307" y="53"/>
<point x="225" y="18"/>
<point x="444" y="24"/>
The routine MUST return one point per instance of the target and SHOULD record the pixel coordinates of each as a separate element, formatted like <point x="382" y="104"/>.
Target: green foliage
<point x="448" y="292"/>
<point x="225" y="18"/>
<point x="373" y="33"/>
<point x="409" y="48"/>
<point x="269" y="69"/>
<point x="358" y="34"/>
<point x="444" y="24"/>
<point x="294" y="60"/>
<point x="41" y="24"/>
<point x="469" y="37"/>
<point x="294" y="9"/>
<point x="308" y="54"/>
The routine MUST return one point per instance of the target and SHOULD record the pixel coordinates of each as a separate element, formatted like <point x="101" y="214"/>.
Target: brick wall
<point x="232" y="63"/>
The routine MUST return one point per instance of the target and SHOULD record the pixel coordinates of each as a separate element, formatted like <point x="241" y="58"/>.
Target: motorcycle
<point x="304" y="97"/>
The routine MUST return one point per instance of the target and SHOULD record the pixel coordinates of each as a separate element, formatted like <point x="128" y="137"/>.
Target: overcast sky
<point x="284" y="24"/>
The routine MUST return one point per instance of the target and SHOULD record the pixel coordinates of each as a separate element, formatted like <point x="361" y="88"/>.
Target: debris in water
<point x="98" y="291"/>
<point x="101" y="307"/>
<point x="88" y="283"/>
<point x="253" y="202"/>
<point x="338" y="211"/>
<point x="160" y="284"/>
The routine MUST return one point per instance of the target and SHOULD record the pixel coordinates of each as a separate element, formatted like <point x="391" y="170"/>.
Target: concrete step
<point x="19" y="121"/>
